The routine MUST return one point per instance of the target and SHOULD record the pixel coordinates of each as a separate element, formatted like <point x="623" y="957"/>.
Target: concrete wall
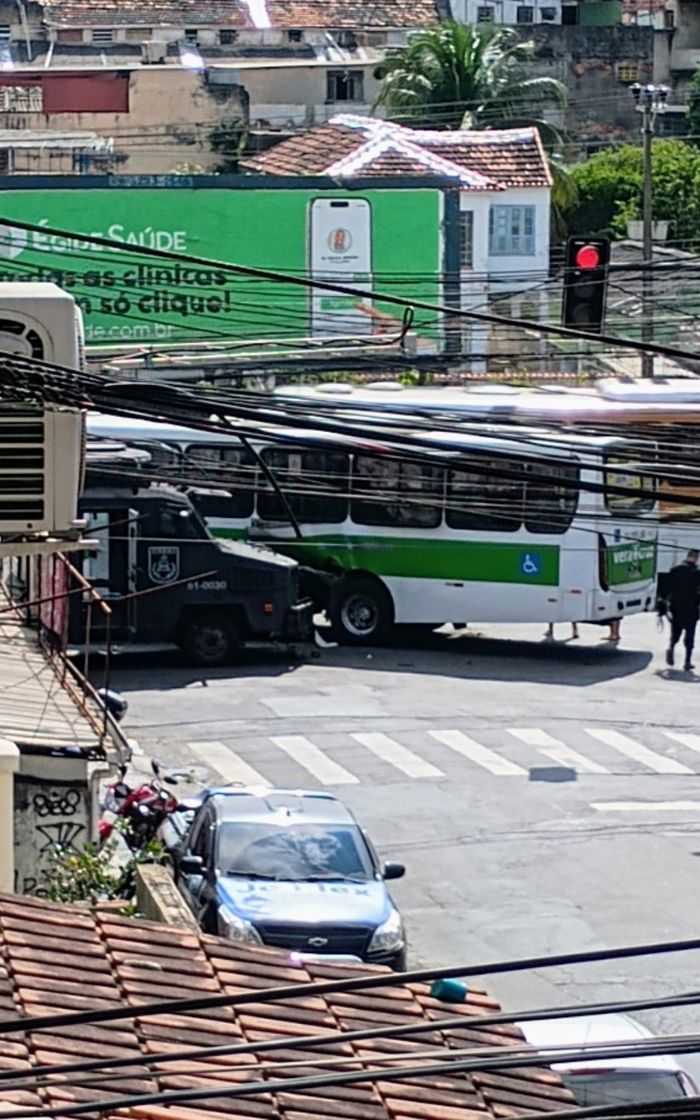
<point x="296" y="96"/>
<point x="492" y="277"/>
<point x="159" y="900"/>
<point x="588" y="61"/>
<point x="506" y="273"/>
<point x="9" y="765"/>
<point x="10" y="14"/>
<point x="506" y="11"/>
<point x="171" y="113"/>
<point x="55" y="803"/>
<point x="688" y="31"/>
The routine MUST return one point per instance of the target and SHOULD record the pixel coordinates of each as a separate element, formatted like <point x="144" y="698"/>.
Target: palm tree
<point x="564" y="195"/>
<point x="455" y="76"/>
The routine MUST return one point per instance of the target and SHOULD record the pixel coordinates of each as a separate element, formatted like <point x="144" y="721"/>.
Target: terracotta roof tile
<point x="329" y="14"/>
<point x="405" y="1110"/>
<point x="9" y="1048"/>
<point x="350" y="147"/>
<point x="56" y="957"/>
<point x="180" y="987"/>
<point x="310" y="153"/>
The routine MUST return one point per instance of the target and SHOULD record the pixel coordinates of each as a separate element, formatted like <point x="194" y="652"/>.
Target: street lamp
<point x="650" y="100"/>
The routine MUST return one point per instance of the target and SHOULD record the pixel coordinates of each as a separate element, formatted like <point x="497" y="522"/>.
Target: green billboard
<point x="380" y="241"/>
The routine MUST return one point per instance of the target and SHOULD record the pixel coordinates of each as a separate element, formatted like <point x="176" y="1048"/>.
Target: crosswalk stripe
<point x="685" y="738"/>
<point x="463" y="745"/>
<point x="556" y="750"/>
<point x="397" y="755"/>
<point x="646" y="806"/>
<point x="226" y="762"/>
<point x="629" y="747"/>
<point x="230" y="767"/>
<point x="303" y="751"/>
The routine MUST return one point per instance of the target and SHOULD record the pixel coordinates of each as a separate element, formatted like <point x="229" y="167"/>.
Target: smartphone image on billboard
<point x="340" y="252"/>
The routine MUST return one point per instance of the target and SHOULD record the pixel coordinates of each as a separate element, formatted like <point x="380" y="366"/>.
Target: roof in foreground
<point x="243" y="14"/>
<point x="350" y="146"/>
<point x="60" y="958"/>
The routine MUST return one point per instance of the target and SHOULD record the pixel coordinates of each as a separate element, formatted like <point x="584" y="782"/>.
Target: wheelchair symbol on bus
<point x="530" y="563"/>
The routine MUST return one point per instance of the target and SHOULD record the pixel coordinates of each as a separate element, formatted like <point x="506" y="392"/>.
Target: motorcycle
<point x="143" y="808"/>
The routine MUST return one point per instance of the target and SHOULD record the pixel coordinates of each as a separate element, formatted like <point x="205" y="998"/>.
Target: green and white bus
<point x="511" y="534"/>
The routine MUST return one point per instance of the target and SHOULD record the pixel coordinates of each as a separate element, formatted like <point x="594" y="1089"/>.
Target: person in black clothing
<point x="682" y="595"/>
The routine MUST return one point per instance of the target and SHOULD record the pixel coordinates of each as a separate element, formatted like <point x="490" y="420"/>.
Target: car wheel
<point x="208" y="640"/>
<point x="361" y="611"/>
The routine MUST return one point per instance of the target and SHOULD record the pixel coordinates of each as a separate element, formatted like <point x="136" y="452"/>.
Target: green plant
<point x="93" y="874"/>
<point x="83" y="876"/>
<point x="693" y="118"/>
<point x="609" y="188"/>
<point x="455" y="76"/>
<point x="564" y="195"/>
<point x="188" y="169"/>
<point x="228" y="139"/>
<point x="415" y="377"/>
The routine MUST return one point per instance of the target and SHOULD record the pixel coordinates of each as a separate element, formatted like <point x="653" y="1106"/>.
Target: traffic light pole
<point x="647" y="243"/>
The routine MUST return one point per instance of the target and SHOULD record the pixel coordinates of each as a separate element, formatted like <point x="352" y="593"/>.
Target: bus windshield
<point x="624" y="472"/>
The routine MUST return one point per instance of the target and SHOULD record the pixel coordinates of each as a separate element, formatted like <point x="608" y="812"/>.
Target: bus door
<point x="111" y="569"/>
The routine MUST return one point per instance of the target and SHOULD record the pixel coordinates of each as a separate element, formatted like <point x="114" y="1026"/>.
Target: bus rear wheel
<point x="361" y="612"/>
<point x="208" y="640"/>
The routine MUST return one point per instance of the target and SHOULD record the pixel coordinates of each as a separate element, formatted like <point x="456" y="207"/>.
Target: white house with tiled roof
<point x="505" y="193"/>
<point x="503" y="177"/>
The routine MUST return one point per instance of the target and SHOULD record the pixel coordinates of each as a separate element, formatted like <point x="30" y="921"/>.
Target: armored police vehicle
<point x="167" y="580"/>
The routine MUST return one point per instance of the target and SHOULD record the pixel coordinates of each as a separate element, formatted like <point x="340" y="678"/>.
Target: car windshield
<point x="299" y="852"/>
<point x="623" y="1087"/>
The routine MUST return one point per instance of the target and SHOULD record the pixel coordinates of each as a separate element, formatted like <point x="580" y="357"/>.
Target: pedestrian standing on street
<point x="549" y="636"/>
<point x="682" y="600"/>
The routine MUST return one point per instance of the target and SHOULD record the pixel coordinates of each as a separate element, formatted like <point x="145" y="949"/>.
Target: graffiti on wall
<point x="56" y="812"/>
<point x="48" y="814"/>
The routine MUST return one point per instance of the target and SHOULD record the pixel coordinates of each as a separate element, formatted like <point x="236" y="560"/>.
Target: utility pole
<point x="650" y="100"/>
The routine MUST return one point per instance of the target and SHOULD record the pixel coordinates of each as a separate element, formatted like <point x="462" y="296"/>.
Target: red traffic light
<point x="588" y="257"/>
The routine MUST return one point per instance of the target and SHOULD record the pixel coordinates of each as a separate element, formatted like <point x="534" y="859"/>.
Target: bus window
<point x="211" y="504"/>
<point x="386" y="492"/>
<point x="549" y="505"/>
<point x="163" y="455"/>
<point x="625" y="472"/>
<point x="484" y="500"/>
<point x="314" y="482"/>
<point x="230" y="468"/>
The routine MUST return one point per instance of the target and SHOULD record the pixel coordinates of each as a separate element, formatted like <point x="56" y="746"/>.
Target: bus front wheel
<point x="360" y="611"/>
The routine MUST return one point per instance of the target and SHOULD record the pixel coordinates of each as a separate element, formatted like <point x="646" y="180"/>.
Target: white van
<point x="609" y="1081"/>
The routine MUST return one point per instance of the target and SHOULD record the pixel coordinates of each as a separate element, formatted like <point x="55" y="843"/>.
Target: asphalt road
<point x="545" y="798"/>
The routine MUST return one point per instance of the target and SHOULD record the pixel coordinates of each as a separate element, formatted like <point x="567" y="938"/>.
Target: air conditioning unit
<point x="41" y="469"/>
<point x="39" y="320"/>
<point x="154" y="51"/>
